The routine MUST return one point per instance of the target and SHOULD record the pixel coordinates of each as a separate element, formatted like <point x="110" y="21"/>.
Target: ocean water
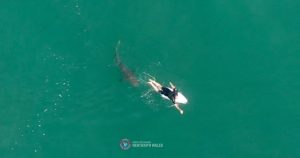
<point x="61" y="94"/>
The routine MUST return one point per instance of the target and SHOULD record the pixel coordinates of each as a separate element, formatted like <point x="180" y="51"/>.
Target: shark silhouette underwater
<point x="127" y="73"/>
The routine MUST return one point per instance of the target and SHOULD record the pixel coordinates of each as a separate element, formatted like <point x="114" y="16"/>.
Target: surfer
<point x="169" y="93"/>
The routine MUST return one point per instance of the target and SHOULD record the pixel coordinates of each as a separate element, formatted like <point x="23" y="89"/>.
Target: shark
<point x="127" y="73"/>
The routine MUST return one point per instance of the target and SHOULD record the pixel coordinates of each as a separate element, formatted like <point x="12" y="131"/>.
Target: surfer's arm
<point x="178" y="108"/>
<point x="172" y="85"/>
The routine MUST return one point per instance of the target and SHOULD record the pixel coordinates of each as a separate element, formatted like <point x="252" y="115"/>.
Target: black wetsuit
<point x="169" y="93"/>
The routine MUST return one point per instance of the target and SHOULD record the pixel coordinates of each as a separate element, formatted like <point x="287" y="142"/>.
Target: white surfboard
<point x="180" y="98"/>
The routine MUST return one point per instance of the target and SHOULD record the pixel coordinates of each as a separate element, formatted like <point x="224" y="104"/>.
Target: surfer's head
<point x="175" y="91"/>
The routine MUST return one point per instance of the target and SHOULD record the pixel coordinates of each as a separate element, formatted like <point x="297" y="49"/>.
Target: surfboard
<point x="180" y="98"/>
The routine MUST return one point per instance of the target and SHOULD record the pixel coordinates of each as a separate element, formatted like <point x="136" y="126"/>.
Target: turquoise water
<point x="61" y="94"/>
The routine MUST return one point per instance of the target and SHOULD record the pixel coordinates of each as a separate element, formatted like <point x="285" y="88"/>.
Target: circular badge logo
<point x="125" y="144"/>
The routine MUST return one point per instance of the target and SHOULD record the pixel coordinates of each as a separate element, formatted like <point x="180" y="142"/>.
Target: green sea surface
<point x="237" y="62"/>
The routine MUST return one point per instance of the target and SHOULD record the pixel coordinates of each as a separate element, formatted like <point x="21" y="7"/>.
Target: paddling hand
<point x="181" y="112"/>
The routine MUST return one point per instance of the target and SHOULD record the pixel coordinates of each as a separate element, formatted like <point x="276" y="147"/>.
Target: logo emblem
<point x="125" y="144"/>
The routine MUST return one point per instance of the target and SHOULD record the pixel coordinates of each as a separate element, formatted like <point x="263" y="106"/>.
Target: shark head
<point x="133" y="80"/>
